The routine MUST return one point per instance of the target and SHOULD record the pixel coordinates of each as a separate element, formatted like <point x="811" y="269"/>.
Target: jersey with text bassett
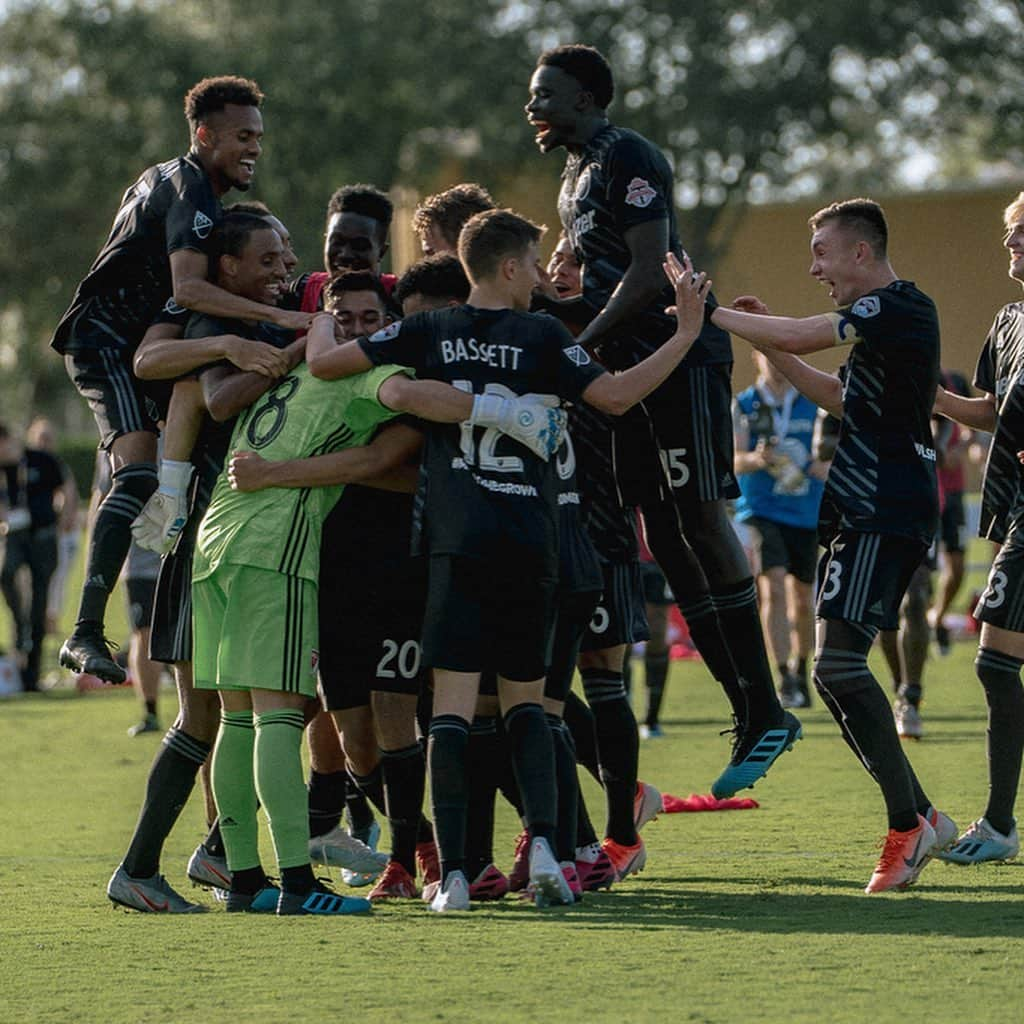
<point x="171" y="207"/>
<point x="617" y="181"/>
<point x="484" y="490"/>
<point x="882" y="478"/>
<point x="299" y="417"/>
<point x="1000" y="372"/>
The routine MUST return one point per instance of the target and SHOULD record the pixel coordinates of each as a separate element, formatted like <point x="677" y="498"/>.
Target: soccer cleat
<point x="646" y="804"/>
<point x="981" y="843"/>
<point x="150" y="895"/>
<point x="904" y="854"/>
<point x="626" y="860"/>
<point x="547" y="883"/>
<point x="650" y="732"/>
<point x="519" y="876"/>
<point x="596" y="874"/>
<point x="148" y="724"/>
<point x="754" y="753"/>
<point x="366" y="876"/>
<point x="793" y="692"/>
<point x="490" y="884"/>
<point x="87" y="651"/>
<point x="572" y="879"/>
<point x="908" y="720"/>
<point x="263" y="902"/>
<point x="208" y="871"/>
<point x="320" y="901"/>
<point x="453" y="895"/>
<point x="337" y="849"/>
<point x="427" y="861"/>
<point x="395" y="884"/>
<point x="944" y="828"/>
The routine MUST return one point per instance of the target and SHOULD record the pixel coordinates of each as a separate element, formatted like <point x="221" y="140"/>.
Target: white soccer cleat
<point x="337" y="849"/>
<point x="646" y="804"/>
<point x="150" y="895"/>
<point x="908" y="720"/>
<point x="548" y="883"/>
<point x="162" y="518"/>
<point x="945" y="830"/>
<point x="452" y="895"/>
<point x="982" y="843"/>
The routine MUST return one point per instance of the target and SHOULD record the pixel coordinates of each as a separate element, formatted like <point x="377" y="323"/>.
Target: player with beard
<point x="438" y="220"/>
<point x="156" y="252"/>
<point x="879" y="509"/>
<point x="616" y="205"/>
<point x="999" y="411"/>
<point x="489" y="517"/>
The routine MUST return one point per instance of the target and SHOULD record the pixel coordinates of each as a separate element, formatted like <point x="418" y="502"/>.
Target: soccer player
<point x="489" y="515"/>
<point x="156" y="253"/>
<point x="999" y="411"/>
<point x="880" y="505"/>
<point x="249" y="256"/>
<point x="780" y="484"/>
<point x="438" y="220"/>
<point x="616" y="206"/>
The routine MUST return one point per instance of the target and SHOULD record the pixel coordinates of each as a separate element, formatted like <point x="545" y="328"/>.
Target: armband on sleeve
<point x="844" y="331"/>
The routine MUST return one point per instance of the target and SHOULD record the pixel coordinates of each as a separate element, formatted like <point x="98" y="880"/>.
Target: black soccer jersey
<point x="1000" y="372"/>
<point x="620" y="180"/>
<point x="171" y="207"/>
<point x="579" y="566"/>
<point x="483" y="490"/>
<point x="31" y="483"/>
<point x="882" y="478"/>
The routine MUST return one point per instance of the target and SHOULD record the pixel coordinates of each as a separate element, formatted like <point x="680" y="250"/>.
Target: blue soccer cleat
<point x="981" y="843"/>
<point x="755" y="752"/>
<point x="321" y="902"/>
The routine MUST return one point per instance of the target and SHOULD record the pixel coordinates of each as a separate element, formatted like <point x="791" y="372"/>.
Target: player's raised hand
<point x="259" y="357"/>
<point x="691" y="290"/>
<point x="749" y="304"/>
<point x="248" y="471"/>
<point x="293" y="319"/>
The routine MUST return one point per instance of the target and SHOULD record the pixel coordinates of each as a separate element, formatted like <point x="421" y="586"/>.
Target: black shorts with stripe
<point x="619" y="617"/>
<point x="371" y="618"/>
<point x="862" y="577"/>
<point x="678" y="442"/>
<point x="120" y="402"/>
<point x="1002" y="602"/>
<point x="953" y="523"/>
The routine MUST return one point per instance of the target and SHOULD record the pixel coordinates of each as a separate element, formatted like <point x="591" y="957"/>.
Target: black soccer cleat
<point x="87" y="651"/>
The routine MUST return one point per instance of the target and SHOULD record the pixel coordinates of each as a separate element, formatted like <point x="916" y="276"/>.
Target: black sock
<point x="360" y="817"/>
<point x="656" y="667"/>
<point x="483" y="752"/>
<point x="214" y="841"/>
<point x="533" y="758"/>
<point x="739" y="619"/>
<point x="130" y="489"/>
<point x="568" y="788"/>
<point x="372" y="787"/>
<point x="449" y="796"/>
<point x="801" y="669"/>
<point x="580" y="720"/>
<point x="585" y="834"/>
<point x="505" y="773"/>
<point x="706" y="635"/>
<point x="248" y="880"/>
<point x="1000" y="675"/>
<point x="404" y="776"/>
<point x="170" y="782"/>
<point x="151" y="707"/>
<point x="627" y="673"/>
<point x="297" y="880"/>
<point x="326" y="800"/>
<point x="618" y="749"/>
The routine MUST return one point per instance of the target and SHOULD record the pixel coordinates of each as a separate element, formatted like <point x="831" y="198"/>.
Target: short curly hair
<point x="435" y="277"/>
<point x="366" y="200"/>
<point x="450" y="209"/>
<point x="588" y="66"/>
<point x="213" y="94"/>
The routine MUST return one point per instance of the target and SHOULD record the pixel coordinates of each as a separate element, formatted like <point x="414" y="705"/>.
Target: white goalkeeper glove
<point x="164" y="516"/>
<point x="536" y="421"/>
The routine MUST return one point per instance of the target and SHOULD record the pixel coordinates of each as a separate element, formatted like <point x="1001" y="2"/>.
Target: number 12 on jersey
<point x="484" y="455"/>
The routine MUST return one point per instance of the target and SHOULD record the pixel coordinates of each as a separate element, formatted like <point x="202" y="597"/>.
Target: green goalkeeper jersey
<point x="279" y="528"/>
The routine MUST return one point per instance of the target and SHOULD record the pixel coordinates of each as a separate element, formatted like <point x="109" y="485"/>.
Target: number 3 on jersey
<point x="832" y="581"/>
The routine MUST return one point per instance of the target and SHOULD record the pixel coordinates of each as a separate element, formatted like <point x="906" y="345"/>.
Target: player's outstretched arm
<point x="616" y="393"/>
<point x="978" y="413"/>
<point x="783" y="333"/>
<point x="164" y="354"/>
<point x="193" y="290"/>
<point x="389" y="462"/>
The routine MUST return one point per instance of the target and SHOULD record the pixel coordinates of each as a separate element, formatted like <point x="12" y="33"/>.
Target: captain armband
<point x="844" y="331"/>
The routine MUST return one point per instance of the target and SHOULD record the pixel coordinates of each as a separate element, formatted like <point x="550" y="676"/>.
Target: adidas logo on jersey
<point x="201" y="224"/>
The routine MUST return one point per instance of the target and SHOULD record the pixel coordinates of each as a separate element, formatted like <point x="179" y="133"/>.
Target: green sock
<point x="281" y="785"/>
<point x="234" y="789"/>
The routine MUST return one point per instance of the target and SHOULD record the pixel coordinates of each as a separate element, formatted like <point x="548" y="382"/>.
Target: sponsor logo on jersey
<point x="201" y="224"/>
<point x="171" y="307"/>
<point x="870" y="305"/>
<point x="577" y="355"/>
<point x="581" y="225"/>
<point x="387" y="333"/>
<point x="640" y="193"/>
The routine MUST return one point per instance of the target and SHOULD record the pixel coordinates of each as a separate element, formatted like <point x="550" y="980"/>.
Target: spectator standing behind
<point x="781" y="484"/>
<point x="32" y="484"/>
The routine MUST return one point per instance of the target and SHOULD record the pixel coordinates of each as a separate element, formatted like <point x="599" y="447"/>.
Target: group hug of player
<point x="382" y="528"/>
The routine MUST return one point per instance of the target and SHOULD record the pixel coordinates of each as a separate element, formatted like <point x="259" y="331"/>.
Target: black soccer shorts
<point x="779" y="544"/>
<point x="862" y="577"/>
<point x="953" y="525"/>
<point x="619" y="617"/>
<point x="1002" y="602"/>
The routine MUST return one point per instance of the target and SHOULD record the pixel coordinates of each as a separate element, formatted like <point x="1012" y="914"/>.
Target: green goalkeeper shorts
<point x="254" y="629"/>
